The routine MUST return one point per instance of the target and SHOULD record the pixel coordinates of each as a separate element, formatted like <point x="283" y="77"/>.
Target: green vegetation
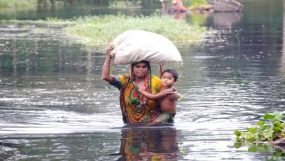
<point x="276" y="154"/>
<point x="194" y="4"/>
<point x="122" y="4"/>
<point x="98" y="31"/>
<point x="197" y="19"/>
<point x="270" y="128"/>
<point x="23" y="4"/>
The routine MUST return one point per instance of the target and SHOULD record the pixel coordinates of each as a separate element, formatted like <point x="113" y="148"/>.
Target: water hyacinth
<point x="270" y="128"/>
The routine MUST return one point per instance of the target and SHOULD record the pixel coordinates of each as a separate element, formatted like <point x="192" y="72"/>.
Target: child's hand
<point x="140" y="90"/>
<point x="169" y="91"/>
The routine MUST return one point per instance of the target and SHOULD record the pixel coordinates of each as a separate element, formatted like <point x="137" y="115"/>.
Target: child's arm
<point x="175" y="96"/>
<point x="158" y="95"/>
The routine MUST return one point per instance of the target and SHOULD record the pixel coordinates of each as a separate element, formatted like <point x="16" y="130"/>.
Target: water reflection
<point x="42" y="57"/>
<point x="72" y="8"/>
<point x="276" y="152"/>
<point x="56" y="147"/>
<point x="282" y="66"/>
<point x="149" y="144"/>
<point x="226" y="20"/>
<point x="136" y="143"/>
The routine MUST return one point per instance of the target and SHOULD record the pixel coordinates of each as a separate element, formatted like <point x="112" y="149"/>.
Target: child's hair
<point x="171" y="71"/>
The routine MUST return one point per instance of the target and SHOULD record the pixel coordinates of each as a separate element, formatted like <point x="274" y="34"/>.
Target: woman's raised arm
<point x="106" y="75"/>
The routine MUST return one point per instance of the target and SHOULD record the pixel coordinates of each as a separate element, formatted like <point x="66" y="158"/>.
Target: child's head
<point x="173" y="72"/>
<point x="169" y="77"/>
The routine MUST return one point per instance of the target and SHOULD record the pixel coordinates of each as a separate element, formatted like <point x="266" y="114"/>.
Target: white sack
<point x="137" y="45"/>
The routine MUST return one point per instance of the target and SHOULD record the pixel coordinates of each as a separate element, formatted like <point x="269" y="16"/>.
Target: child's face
<point x="167" y="79"/>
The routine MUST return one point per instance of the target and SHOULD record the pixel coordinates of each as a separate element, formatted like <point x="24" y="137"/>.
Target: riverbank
<point x="16" y="4"/>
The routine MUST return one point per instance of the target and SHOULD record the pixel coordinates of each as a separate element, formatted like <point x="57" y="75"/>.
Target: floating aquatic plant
<point x="270" y="128"/>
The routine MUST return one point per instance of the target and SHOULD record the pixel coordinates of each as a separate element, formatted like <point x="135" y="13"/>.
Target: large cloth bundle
<point x="137" y="45"/>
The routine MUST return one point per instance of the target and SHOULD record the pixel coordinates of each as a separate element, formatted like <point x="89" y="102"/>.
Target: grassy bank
<point x="98" y="31"/>
<point x="23" y="4"/>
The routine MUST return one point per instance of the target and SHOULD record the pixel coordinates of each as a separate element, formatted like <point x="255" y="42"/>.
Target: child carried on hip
<point x="167" y="103"/>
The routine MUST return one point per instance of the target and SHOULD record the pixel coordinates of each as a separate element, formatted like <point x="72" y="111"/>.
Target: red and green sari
<point x="135" y="107"/>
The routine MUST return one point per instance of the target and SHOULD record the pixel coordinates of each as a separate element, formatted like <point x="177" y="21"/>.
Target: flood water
<point x="54" y="105"/>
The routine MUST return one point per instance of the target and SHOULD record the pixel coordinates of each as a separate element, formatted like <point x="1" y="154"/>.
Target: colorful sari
<point x="135" y="107"/>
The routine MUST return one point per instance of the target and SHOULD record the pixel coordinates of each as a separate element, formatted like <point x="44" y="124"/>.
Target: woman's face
<point x="140" y="70"/>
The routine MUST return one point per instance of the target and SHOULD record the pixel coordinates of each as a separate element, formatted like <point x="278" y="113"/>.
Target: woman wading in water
<point x="135" y="107"/>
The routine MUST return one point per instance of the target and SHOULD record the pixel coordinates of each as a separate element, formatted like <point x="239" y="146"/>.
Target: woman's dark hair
<point x="173" y="72"/>
<point x="146" y="62"/>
